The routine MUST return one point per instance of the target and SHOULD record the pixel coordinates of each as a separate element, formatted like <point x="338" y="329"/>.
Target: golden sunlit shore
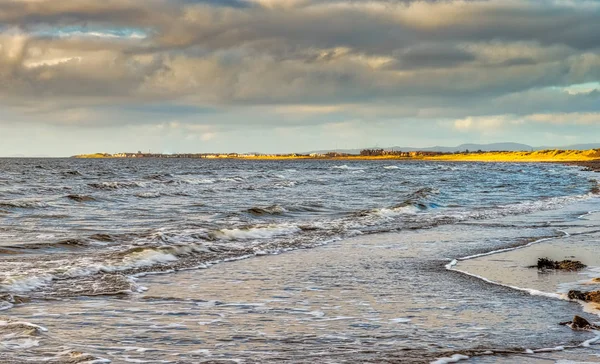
<point x="534" y="156"/>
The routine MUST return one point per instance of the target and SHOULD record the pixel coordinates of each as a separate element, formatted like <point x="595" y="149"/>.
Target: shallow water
<point x="372" y="287"/>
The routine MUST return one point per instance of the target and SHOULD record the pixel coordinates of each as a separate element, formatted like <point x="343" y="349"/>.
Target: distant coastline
<point x="379" y="154"/>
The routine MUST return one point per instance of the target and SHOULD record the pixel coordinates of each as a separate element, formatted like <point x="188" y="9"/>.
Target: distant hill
<point x="511" y="147"/>
<point x="472" y="147"/>
<point x="580" y="146"/>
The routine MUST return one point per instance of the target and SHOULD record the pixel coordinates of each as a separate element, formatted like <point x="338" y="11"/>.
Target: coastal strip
<point x="586" y="158"/>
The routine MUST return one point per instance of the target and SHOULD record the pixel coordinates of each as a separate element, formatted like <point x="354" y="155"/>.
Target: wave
<point x="148" y="194"/>
<point x="102" y="237"/>
<point x="190" y="181"/>
<point x="391" y="167"/>
<point x="18" y="337"/>
<point x="116" y="185"/>
<point x="23" y="204"/>
<point x="106" y="271"/>
<point x="269" y="210"/>
<point x="158" y="176"/>
<point x="80" y="198"/>
<point x="198" y="181"/>
<point x="256" y="232"/>
<point x="233" y="179"/>
<point x="292" y="210"/>
<point x="413" y="203"/>
<point x="71" y="173"/>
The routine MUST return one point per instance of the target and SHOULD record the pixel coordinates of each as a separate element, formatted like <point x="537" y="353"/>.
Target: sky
<point x="177" y="76"/>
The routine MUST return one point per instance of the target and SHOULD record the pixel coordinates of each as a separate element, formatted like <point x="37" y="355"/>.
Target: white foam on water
<point x="396" y="211"/>
<point x="588" y="343"/>
<point x="198" y="181"/>
<point x="147" y="257"/>
<point x="400" y="320"/>
<point x="391" y="167"/>
<point x="453" y="359"/>
<point x="257" y="232"/>
<point x="451" y="264"/>
<point x="9" y="324"/>
<point x="549" y="350"/>
<point x="588" y="214"/>
<point x="21" y="284"/>
<point x="533" y="292"/>
<point x="19" y="344"/>
<point x="148" y="194"/>
<point x="23" y="203"/>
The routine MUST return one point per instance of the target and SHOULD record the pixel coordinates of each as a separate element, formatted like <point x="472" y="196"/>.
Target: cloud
<point x="567" y="118"/>
<point x="483" y="124"/>
<point x="291" y="62"/>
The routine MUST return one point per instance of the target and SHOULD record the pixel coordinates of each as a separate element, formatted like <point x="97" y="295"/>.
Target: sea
<point x="297" y="261"/>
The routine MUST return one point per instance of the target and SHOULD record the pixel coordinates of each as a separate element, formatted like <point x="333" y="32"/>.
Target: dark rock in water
<point x="579" y="323"/>
<point x="593" y="296"/>
<point x="568" y="265"/>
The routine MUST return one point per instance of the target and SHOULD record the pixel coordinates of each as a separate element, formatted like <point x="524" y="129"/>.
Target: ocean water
<point x="189" y="260"/>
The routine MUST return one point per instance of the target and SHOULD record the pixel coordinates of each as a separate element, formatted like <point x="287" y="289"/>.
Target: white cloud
<point x="567" y="118"/>
<point x="482" y="124"/>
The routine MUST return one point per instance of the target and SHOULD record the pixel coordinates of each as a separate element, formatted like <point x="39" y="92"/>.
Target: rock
<point x="567" y="265"/>
<point x="593" y="296"/>
<point x="576" y="295"/>
<point x="579" y="323"/>
<point x="571" y="265"/>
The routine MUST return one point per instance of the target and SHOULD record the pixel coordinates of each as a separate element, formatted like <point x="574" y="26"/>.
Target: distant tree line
<point x="396" y="153"/>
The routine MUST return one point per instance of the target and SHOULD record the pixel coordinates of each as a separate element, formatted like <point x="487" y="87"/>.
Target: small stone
<point x="580" y="323"/>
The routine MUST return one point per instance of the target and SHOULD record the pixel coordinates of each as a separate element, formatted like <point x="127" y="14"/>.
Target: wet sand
<point x="512" y="268"/>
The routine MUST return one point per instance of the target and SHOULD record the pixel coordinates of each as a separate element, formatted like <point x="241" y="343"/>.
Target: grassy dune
<point x="537" y="156"/>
